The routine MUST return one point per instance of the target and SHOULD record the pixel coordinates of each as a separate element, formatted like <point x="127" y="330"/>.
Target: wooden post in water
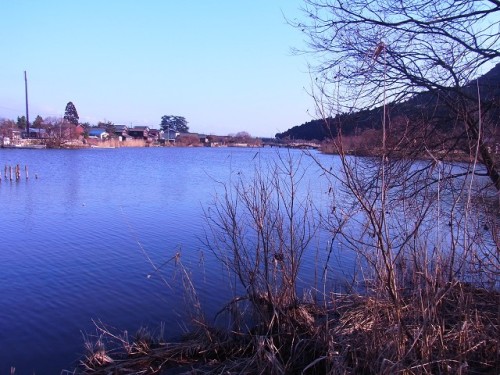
<point x="18" y="172"/>
<point x="26" y="171"/>
<point x="10" y="172"/>
<point x="5" y="171"/>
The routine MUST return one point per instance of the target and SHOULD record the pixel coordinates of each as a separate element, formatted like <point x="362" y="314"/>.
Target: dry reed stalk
<point x="364" y="336"/>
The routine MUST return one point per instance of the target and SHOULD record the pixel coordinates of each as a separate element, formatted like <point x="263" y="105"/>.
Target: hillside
<point x="422" y="107"/>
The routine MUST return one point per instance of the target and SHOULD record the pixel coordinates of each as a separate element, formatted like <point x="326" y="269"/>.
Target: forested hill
<point x="422" y="107"/>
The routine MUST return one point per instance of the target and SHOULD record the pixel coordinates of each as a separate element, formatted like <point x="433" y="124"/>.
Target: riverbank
<point x="110" y="143"/>
<point x="347" y="334"/>
<point x="448" y="155"/>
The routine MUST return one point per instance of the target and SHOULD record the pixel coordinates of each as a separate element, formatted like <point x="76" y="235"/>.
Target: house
<point x="169" y="136"/>
<point x="121" y="130"/>
<point x="98" y="133"/>
<point x="203" y="139"/>
<point x="139" y="132"/>
<point x="15" y="134"/>
<point x="155" y="134"/>
<point x="36" y="133"/>
<point x="217" y="140"/>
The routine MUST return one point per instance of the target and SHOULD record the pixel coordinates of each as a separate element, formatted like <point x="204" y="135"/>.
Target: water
<point x="75" y="242"/>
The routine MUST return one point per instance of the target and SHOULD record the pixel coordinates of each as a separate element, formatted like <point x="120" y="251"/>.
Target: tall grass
<point x="423" y="299"/>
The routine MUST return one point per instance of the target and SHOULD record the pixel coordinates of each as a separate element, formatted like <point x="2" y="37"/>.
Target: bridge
<point x="304" y="145"/>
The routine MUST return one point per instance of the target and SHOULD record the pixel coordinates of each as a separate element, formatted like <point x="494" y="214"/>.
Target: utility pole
<point x="27" y="112"/>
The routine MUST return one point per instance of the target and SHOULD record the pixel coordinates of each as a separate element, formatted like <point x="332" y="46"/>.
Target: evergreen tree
<point x="21" y="122"/>
<point x="174" y="123"/>
<point x="70" y="114"/>
<point x="38" y="121"/>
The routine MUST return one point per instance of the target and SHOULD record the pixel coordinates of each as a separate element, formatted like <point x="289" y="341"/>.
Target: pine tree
<point x="70" y="114"/>
<point x="38" y="122"/>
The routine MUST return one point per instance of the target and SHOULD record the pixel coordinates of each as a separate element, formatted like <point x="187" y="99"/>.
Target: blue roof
<point x="96" y="132"/>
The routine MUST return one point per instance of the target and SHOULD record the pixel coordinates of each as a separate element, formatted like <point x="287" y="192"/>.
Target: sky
<point x="225" y="65"/>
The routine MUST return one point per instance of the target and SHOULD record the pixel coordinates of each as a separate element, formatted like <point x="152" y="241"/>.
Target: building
<point x="98" y="133"/>
<point x="139" y="132"/>
<point x="169" y="136"/>
<point x="155" y="135"/>
<point x="121" y="130"/>
<point x="36" y="133"/>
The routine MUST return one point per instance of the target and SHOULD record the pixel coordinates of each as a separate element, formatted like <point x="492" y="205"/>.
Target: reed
<point x="410" y="308"/>
<point x="356" y="334"/>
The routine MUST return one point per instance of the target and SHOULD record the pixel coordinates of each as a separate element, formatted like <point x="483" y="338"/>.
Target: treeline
<point x="423" y="110"/>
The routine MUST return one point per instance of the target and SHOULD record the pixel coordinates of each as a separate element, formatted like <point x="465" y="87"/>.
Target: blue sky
<point x="225" y="65"/>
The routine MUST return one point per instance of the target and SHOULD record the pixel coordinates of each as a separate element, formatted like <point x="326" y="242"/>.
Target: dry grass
<point x="415" y="315"/>
<point x="355" y="334"/>
<point x="115" y="143"/>
<point x="458" y="335"/>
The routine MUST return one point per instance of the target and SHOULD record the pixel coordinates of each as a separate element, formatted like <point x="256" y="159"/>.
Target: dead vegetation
<point x="408" y="310"/>
<point x="355" y="334"/>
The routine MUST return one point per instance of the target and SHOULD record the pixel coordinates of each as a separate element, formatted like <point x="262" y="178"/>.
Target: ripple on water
<point x="73" y="245"/>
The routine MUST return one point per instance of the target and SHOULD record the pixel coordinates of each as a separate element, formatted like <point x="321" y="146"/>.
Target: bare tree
<point x="371" y="53"/>
<point x="415" y="226"/>
<point x="6" y="127"/>
<point x="261" y="230"/>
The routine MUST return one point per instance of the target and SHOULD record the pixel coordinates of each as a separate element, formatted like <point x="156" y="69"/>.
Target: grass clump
<point x="355" y="334"/>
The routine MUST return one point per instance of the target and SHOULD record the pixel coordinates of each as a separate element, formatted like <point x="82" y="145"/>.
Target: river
<point x="77" y="236"/>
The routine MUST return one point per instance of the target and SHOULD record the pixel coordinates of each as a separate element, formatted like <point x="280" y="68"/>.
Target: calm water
<point x="74" y="244"/>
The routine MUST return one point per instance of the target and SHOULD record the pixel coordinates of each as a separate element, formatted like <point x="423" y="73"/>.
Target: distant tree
<point x="52" y="121"/>
<point x="243" y="136"/>
<point x="67" y="130"/>
<point x="188" y="140"/>
<point x="104" y="124"/>
<point x="54" y="126"/>
<point x="108" y="125"/>
<point x="70" y="114"/>
<point x="6" y="127"/>
<point x="175" y="123"/>
<point x="21" y="122"/>
<point x="38" y="121"/>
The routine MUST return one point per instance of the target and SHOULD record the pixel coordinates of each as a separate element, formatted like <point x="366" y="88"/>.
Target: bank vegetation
<point x="422" y="296"/>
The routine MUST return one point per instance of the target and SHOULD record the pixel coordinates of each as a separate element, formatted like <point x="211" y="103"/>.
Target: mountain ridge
<point x="424" y="106"/>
